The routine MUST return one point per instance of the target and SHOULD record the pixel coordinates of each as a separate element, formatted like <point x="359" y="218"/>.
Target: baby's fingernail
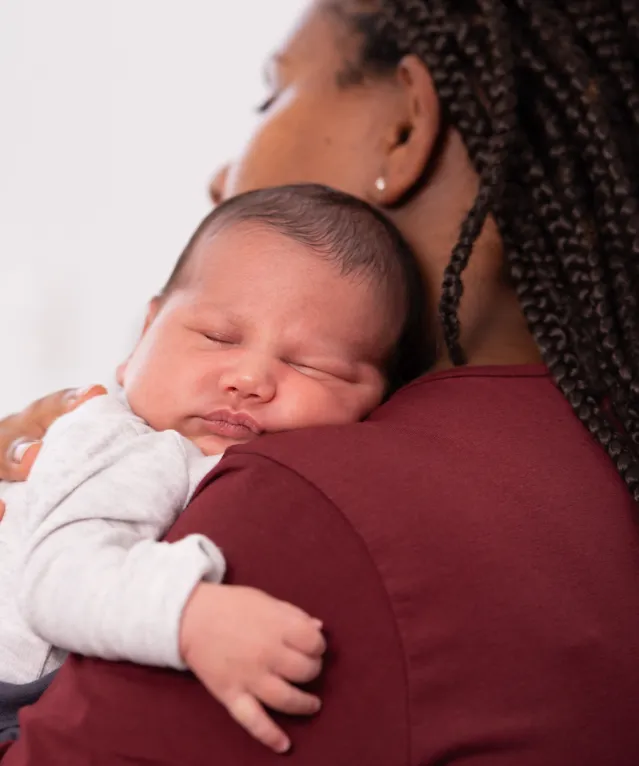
<point x="318" y="624"/>
<point x="18" y="450"/>
<point x="284" y="746"/>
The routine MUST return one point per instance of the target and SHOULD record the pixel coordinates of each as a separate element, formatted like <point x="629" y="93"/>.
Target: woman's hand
<point x="21" y="434"/>
<point x="250" y="650"/>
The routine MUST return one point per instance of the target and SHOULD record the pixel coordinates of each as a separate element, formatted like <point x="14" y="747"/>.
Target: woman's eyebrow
<point x="273" y="62"/>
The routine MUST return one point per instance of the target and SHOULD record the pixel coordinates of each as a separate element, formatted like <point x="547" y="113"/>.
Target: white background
<point x="113" y="116"/>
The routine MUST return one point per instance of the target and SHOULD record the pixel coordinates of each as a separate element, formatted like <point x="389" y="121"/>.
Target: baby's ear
<point x="120" y="372"/>
<point x="151" y="313"/>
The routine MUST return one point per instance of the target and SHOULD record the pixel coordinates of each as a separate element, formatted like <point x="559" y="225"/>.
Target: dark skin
<point x="313" y="129"/>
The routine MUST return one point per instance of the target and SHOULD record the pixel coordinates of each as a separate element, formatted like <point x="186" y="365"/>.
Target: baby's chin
<point x="211" y="444"/>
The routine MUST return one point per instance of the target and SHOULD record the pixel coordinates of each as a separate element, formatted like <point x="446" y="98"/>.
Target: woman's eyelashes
<point x="266" y="104"/>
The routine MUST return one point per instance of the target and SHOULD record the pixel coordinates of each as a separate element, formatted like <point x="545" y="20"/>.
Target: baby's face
<point x="261" y="336"/>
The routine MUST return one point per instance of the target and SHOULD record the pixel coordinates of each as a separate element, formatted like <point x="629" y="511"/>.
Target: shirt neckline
<point x="485" y="371"/>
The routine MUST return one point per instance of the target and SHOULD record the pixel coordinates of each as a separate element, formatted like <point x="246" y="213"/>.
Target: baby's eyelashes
<point x="312" y="372"/>
<point x="326" y="372"/>
<point x="221" y="340"/>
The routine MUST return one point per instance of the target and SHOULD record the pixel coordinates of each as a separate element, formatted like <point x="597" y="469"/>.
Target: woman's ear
<point x="412" y="136"/>
<point x="151" y="313"/>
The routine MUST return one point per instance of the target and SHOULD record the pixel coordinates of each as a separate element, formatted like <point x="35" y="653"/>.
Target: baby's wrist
<point x="191" y="620"/>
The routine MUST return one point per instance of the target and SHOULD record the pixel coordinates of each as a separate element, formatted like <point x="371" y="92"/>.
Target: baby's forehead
<point x="234" y="269"/>
<point x="227" y="247"/>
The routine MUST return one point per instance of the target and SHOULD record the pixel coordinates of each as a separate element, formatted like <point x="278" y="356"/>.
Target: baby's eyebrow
<point x="215" y="309"/>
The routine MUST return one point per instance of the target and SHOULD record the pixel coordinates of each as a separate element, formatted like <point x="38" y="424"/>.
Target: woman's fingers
<point x="21" y="434"/>
<point x="83" y="395"/>
<point x="22" y="455"/>
<point x="37" y="417"/>
<point x="17" y="456"/>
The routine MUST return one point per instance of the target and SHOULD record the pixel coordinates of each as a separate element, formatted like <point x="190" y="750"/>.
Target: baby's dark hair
<point x="348" y="232"/>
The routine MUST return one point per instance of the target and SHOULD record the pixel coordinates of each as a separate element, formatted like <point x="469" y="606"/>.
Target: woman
<point x="481" y="588"/>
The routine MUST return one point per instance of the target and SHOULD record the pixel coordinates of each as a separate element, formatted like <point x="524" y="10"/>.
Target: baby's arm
<point x="95" y="580"/>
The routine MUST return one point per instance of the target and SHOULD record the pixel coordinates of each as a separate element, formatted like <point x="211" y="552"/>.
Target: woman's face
<point x="311" y="128"/>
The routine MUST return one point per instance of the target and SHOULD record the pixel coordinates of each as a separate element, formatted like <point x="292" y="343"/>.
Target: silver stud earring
<point x="380" y="184"/>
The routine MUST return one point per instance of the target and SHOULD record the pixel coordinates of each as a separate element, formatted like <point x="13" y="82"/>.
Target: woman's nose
<point x="218" y="182"/>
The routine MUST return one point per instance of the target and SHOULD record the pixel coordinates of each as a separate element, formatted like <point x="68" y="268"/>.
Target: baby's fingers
<point x="295" y="666"/>
<point x="286" y="698"/>
<point x="306" y="637"/>
<point x="2" y="509"/>
<point x="248" y="712"/>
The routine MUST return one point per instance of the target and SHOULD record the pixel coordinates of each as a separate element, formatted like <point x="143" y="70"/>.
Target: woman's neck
<point x="493" y="328"/>
<point x="498" y="336"/>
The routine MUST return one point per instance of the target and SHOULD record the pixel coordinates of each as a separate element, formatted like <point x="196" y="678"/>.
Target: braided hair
<point x="545" y="95"/>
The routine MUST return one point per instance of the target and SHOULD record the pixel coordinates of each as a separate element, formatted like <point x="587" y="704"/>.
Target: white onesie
<point x="80" y="566"/>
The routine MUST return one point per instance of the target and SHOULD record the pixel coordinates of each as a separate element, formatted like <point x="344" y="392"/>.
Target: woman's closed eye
<point x="271" y="78"/>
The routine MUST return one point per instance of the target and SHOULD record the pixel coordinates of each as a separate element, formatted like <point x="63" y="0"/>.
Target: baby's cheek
<point x="152" y="403"/>
<point x="301" y="402"/>
<point x="339" y="403"/>
<point x="363" y="398"/>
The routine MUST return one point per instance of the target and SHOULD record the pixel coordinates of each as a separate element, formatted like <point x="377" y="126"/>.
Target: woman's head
<point x="526" y="114"/>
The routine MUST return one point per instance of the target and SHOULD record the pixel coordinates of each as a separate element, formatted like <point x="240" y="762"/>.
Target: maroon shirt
<point x="475" y="559"/>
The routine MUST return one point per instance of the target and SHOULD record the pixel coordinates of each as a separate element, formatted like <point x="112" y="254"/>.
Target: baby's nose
<point x="250" y="384"/>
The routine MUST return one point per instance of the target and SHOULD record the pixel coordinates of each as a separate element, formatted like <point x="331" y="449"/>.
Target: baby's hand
<point x="248" y="649"/>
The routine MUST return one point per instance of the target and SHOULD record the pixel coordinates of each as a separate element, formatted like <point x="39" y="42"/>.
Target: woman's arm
<point x="281" y="535"/>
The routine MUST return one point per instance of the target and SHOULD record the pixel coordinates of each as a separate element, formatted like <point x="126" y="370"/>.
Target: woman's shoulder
<point x="448" y="442"/>
<point x="464" y="403"/>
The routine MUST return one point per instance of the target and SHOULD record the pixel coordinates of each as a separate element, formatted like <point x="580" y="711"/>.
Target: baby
<point x="289" y="308"/>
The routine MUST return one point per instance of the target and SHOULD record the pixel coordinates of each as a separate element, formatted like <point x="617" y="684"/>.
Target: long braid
<point x="559" y="172"/>
<point x="597" y="23"/>
<point x="589" y="124"/>
<point x="492" y="153"/>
